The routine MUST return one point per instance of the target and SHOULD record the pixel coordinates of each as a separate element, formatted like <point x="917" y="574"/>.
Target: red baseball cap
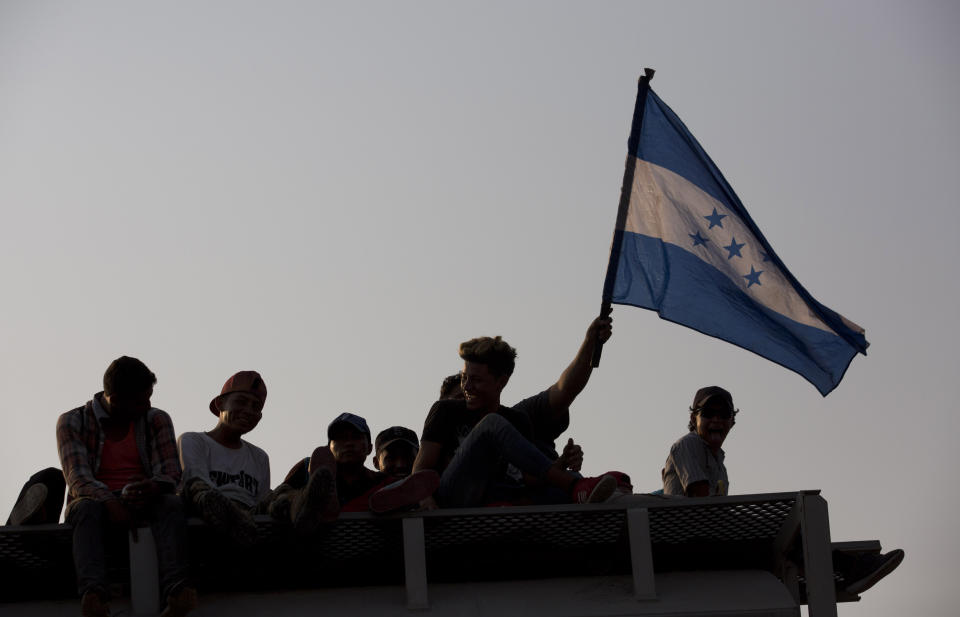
<point x="245" y="381"/>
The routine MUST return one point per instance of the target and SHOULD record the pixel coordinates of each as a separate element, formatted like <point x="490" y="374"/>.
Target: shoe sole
<point x="405" y="493"/>
<point x="220" y="513"/>
<point x="871" y="579"/>
<point x="604" y="488"/>
<point x="317" y="504"/>
<point x="29" y="506"/>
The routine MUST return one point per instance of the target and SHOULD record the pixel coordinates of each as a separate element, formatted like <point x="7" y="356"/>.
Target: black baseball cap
<point x="712" y="392"/>
<point x="394" y="434"/>
<point x="353" y="420"/>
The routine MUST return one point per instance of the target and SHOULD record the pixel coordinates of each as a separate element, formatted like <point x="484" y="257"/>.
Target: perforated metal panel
<point x="557" y="529"/>
<point x="719" y="522"/>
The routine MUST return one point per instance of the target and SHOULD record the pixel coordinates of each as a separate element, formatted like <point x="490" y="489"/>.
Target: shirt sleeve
<point x="75" y="459"/>
<point x="548" y="424"/>
<point x="689" y="462"/>
<point x="166" y="461"/>
<point x="264" y="470"/>
<point x="435" y="427"/>
<point x="194" y="457"/>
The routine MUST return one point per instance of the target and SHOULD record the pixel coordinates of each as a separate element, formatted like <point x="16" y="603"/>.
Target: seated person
<point x="119" y="457"/>
<point x="40" y="500"/>
<point x="470" y="441"/>
<point x="450" y="388"/>
<point x="549" y="411"/>
<point x="695" y="468"/>
<point x="334" y="479"/>
<point x="226" y="479"/>
<point x="395" y="450"/>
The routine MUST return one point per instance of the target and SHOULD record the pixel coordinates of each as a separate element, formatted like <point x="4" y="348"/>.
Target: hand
<point x="428" y="504"/>
<point x="140" y="493"/>
<point x="600" y="329"/>
<point x="572" y="456"/>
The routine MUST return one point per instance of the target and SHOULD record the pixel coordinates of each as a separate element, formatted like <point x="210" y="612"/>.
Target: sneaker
<point x="94" y="604"/>
<point x="593" y="490"/>
<point x="29" y="506"/>
<point x="868" y="568"/>
<point x="624" y="485"/>
<point x="180" y="602"/>
<point x="405" y="493"/>
<point x="218" y="511"/>
<point x="317" y="502"/>
<point x="280" y="503"/>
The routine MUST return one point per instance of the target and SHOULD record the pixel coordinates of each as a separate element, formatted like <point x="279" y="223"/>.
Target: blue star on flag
<point x="698" y="239"/>
<point x="753" y="277"/>
<point x="734" y="249"/>
<point x="716" y="220"/>
<point x="764" y="256"/>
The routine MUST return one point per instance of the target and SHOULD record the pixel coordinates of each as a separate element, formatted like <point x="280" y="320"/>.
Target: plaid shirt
<point x="80" y="438"/>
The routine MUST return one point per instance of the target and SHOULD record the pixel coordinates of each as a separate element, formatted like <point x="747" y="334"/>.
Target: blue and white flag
<point x="692" y="253"/>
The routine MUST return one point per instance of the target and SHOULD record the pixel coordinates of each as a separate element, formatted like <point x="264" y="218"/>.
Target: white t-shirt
<point x="242" y="474"/>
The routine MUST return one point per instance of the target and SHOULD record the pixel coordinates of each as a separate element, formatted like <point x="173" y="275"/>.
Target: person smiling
<point x="226" y="479"/>
<point x="695" y="466"/>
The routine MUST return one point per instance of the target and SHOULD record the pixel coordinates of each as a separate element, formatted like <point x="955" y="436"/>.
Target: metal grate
<point x="724" y="522"/>
<point x="555" y="529"/>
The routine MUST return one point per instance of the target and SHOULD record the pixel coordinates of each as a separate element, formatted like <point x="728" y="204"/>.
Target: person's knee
<point x="87" y="511"/>
<point x="493" y="424"/>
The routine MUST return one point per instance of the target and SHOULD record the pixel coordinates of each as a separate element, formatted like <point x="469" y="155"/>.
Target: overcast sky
<point x="338" y="195"/>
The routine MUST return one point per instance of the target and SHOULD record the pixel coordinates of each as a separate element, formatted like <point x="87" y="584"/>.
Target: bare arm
<point x="428" y="457"/>
<point x="575" y="376"/>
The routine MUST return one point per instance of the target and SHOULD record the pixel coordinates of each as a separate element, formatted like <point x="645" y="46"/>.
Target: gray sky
<point x="337" y="195"/>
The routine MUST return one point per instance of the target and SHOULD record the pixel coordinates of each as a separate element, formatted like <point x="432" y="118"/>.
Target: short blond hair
<point x="494" y="352"/>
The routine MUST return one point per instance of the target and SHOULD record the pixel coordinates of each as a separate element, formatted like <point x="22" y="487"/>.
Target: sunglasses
<point x="723" y="414"/>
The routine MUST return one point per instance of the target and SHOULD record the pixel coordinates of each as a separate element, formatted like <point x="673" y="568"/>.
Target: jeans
<point x="476" y="465"/>
<point x="91" y="526"/>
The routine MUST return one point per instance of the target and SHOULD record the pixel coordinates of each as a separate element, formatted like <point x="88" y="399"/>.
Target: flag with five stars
<point x="687" y="248"/>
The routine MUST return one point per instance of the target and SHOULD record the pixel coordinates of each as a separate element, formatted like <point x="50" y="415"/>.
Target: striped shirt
<point x="80" y="439"/>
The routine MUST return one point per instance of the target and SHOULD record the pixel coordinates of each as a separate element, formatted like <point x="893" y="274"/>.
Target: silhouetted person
<point x="119" y="456"/>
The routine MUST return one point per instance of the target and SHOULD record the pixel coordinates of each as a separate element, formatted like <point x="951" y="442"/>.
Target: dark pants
<point x="92" y="525"/>
<point x="477" y="463"/>
<point x="52" y="478"/>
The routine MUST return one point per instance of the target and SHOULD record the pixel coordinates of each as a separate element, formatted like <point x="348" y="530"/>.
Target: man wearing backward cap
<point x="226" y="479"/>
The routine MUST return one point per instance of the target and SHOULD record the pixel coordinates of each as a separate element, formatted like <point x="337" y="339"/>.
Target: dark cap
<point x="395" y="434"/>
<point x="712" y="392"/>
<point x="353" y="420"/>
<point x="244" y="381"/>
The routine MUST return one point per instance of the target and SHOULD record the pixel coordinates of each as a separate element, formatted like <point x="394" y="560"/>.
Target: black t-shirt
<point x="547" y="424"/>
<point x="449" y="422"/>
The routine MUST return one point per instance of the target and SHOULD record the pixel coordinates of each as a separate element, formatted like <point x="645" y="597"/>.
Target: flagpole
<point x="643" y="86"/>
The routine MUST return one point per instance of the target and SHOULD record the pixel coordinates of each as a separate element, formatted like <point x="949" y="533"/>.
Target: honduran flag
<point x="686" y="247"/>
